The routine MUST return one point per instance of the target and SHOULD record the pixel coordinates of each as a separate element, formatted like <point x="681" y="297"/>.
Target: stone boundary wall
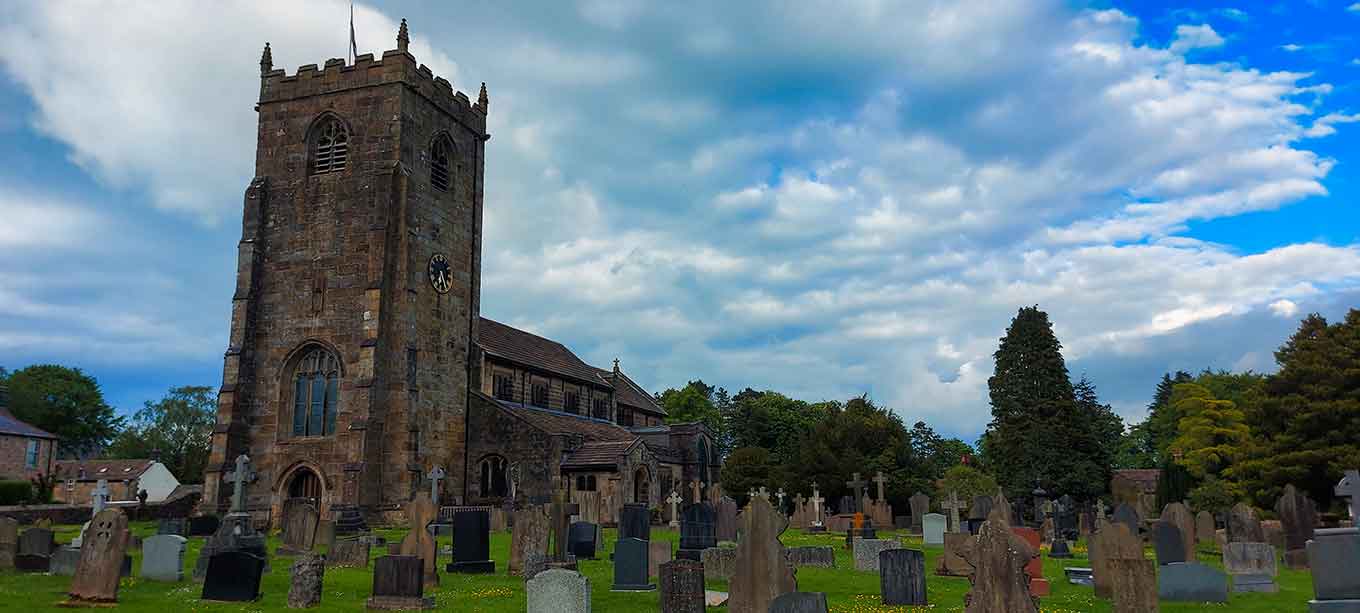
<point x="181" y="506"/>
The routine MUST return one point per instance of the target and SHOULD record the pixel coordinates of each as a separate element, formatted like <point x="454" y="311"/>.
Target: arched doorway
<point x="642" y="486"/>
<point x="305" y="485"/>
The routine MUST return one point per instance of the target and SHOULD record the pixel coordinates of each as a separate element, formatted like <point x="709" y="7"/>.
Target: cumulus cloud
<point x="1190" y="37"/>
<point x="1284" y="308"/>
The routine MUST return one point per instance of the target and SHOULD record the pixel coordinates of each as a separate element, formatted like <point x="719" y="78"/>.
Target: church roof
<point x="631" y="394"/>
<point x="112" y="470"/>
<point x="532" y="350"/>
<point x="597" y="453"/>
<point x="558" y="422"/>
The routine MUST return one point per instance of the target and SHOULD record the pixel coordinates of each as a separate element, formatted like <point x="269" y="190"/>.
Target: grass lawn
<point x="848" y="590"/>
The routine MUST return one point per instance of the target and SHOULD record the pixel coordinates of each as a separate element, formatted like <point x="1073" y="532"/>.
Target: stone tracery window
<point x="316" y="393"/>
<point x="439" y="163"/>
<point x="330" y="147"/>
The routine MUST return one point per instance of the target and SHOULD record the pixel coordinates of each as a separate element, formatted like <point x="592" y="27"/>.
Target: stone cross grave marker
<point x="857" y="484"/>
<point x="242" y="475"/>
<point x="101" y="559"/>
<point x="436" y="474"/>
<point x="953" y="505"/>
<point x="674" y="500"/>
<point x="100" y="496"/>
<point x="560" y="513"/>
<point x="880" y="480"/>
<point x="418" y="541"/>
<point x="817" y="501"/>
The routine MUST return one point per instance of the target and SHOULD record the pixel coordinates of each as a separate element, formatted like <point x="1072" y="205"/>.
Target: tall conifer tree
<point x="1030" y="394"/>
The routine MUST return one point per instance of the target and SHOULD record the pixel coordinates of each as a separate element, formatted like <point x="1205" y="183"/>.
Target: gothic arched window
<point x="703" y="462"/>
<point x="330" y="147"/>
<point x="492" y="472"/>
<point x="440" y="153"/>
<point x="316" y="393"/>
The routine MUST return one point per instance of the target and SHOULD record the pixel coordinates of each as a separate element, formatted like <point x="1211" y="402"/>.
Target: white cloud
<point x="1292" y="47"/>
<point x="1354" y="8"/>
<point x="1190" y="37"/>
<point x="1284" y="308"/>
<point x="1326" y="125"/>
<point x="38" y="222"/>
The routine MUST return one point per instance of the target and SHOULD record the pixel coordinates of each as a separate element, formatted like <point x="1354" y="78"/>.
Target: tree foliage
<point x="968" y="482"/>
<point x="65" y="402"/>
<point x="1213" y="495"/>
<point x="178" y="427"/>
<point x="694" y="402"/>
<point x="1212" y="432"/>
<point x="746" y="468"/>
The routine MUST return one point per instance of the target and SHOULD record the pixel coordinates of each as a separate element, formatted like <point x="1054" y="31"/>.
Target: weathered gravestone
<point x="658" y="553"/>
<point x="9" y="542"/>
<point x="1204" y="528"/>
<point x="471" y="543"/>
<point x="1333" y="555"/>
<point x="999" y="557"/>
<point x="101" y="558"/>
<point x="720" y="563"/>
<point x="1274" y="533"/>
<point x="902" y="577"/>
<point x="1298" y="516"/>
<point x="762" y="572"/>
<point x="799" y="602"/>
<point x="309" y="573"/>
<point x="697" y="531"/>
<point x="867" y="550"/>
<point x="558" y="590"/>
<point x="1191" y="582"/>
<point x="633" y="522"/>
<point x="820" y="557"/>
<point x="35" y="550"/>
<point x="1127" y="515"/>
<point x="349" y="553"/>
<point x="233" y="575"/>
<point x="932" y="528"/>
<point x="1003" y="506"/>
<point x="1047" y="531"/>
<point x="163" y="558"/>
<point x="630" y="566"/>
<point x="1166" y="541"/>
<point x="1077" y="575"/>
<point x="398" y="584"/>
<point x="64" y="561"/>
<point x="1111" y="541"/>
<point x="1134" y="582"/>
<point x="951" y="562"/>
<point x="533" y="564"/>
<point x="418" y="542"/>
<point x="725" y="527"/>
<point x="581" y="539"/>
<point x="1244" y="526"/>
<point x="173" y="525"/>
<point x="682" y="586"/>
<point x="1038" y="585"/>
<point x="1251" y="566"/>
<point x="920" y="505"/>
<point x="1179" y="515"/>
<point x="300" y="519"/>
<point x="982" y="507"/>
<point x="528" y="534"/>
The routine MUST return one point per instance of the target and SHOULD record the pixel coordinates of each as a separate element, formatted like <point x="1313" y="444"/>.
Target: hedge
<point x="15" y="492"/>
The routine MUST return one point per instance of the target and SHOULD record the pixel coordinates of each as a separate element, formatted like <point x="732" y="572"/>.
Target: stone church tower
<point x="347" y="372"/>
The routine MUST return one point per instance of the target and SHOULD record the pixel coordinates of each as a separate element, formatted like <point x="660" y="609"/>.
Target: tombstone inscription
<point x="902" y="577"/>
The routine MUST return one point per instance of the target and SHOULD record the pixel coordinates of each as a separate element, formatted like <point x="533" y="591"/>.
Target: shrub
<point x="15" y="492"/>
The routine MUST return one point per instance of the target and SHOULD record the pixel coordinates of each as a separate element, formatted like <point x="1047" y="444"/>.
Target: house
<point x="25" y="450"/>
<point x="77" y="479"/>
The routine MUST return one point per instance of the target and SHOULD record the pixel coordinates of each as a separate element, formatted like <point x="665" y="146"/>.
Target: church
<point x="359" y="363"/>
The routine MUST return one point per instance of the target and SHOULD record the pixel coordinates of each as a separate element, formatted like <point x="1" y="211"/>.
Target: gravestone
<point x="528" y="534"/>
<point x="1179" y="515"/>
<point x="1079" y="576"/>
<point x="1134" y="582"/>
<point x="720" y="563"/>
<point x="1204" y="528"/>
<point x="349" y="553"/>
<point x="559" y="520"/>
<point x="101" y="558"/>
<point x="558" y="590"/>
<point x="420" y="513"/>
<point x="951" y="562"/>
<point x="1166" y="541"/>
<point x="533" y="564"/>
<point x="233" y="575"/>
<point x="204" y="525"/>
<point x="725" y="528"/>
<point x="64" y="561"/>
<point x="581" y="540"/>
<point x="1191" y="582"/>
<point x="866" y="552"/>
<point x="902" y="577"/>
<point x="820" y="557"/>
<point x="1111" y="541"/>
<point x="1038" y="585"/>
<point x="633" y="522"/>
<point x="1059" y="550"/>
<point x="999" y="557"/>
<point x="1251" y="566"/>
<point x="237" y="531"/>
<point x="697" y="531"/>
<point x="658" y="553"/>
<point x="762" y="572"/>
<point x="1127" y="515"/>
<point x="932" y="528"/>
<point x="399" y="583"/>
<point x="982" y="507"/>
<point x="37" y="541"/>
<point x="32" y="563"/>
<point x="800" y="602"/>
<point x="9" y="542"/>
<point x="630" y="566"/>
<point x="300" y="519"/>
<point x="953" y="505"/>
<point x="1298" y="516"/>
<point x="682" y="586"/>
<point x="471" y="543"/>
<point x="1332" y="556"/>
<point x="174" y="525"/>
<point x="309" y="573"/>
<point x="163" y="558"/>
<point x="1047" y="531"/>
<point x="920" y="505"/>
<point x="1244" y="526"/>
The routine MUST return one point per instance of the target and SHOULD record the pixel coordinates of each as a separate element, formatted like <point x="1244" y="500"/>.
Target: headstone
<point x="1127" y="515"/>
<point x="471" y="543"/>
<point x="349" y="519"/>
<point x="630" y="566"/>
<point x="163" y="558"/>
<point x="867" y="550"/>
<point x="173" y="525"/>
<point x="1251" y="566"/>
<point x="1111" y="541"/>
<point x="1274" y="532"/>
<point x="697" y="531"/>
<point x="398" y="583"/>
<point x="204" y="525"/>
<point x="1298" y="516"/>
<point x="953" y="505"/>
<point x="1059" y="550"/>
<point x="800" y="602"/>
<point x="1204" y="528"/>
<point x="233" y="575"/>
<point x="1332" y="556"/>
<point x="349" y="553"/>
<point x="1134" y="582"/>
<point x="559" y="520"/>
<point x="1244" y="526"/>
<point x="1047" y="530"/>
<point x="920" y="505"/>
<point x="682" y="586"/>
<point x="1166" y="541"/>
<point x="999" y="557"/>
<point x="309" y="573"/>
<point x="1038" y="585"/>
<point x="1179" y="515"/>
<point x="581" y="540"/>
<point x="932" y="527"/>
<point x="101" y="558"/>
<point x="1191" y="582"/>
<point x="658" y="553"/>
<point x="420" y="513"/>
<point x="982" y="507"/>
<point x="32" y="563"/>
<point x="633" y="522"/>
<point x="951" y="562"/>
<point x="818" y="556"/>
<point x="300" y="521"/>
<point x="533" y="564"/>
<point x="9" y="542"/>
<point x="762" y="572"/>
<point x="902" y="577"/>
<point x="726" y="526"/>
<point x="65" y="560"/>
<point x="529" y="534"/>
<point x="37" y="541"/>
<point x="1000" y="504"/>
<point x="720" y="563"/>
<point x="558" y="590"/>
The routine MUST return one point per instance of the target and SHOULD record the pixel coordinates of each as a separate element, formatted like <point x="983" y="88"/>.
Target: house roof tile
<point x="11" y="425"/>
<point x="112" y="470"/>
<point x="521" y="347"/>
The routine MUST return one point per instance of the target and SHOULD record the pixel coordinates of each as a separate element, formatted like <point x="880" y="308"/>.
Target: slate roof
<point x="112" y="470"/>
<point x="558" y="422"/>
<point x="11" y="425"/>
<point x="631" y="394"/>
<point x="521" y="347"/>
<point x="597" y="453"/>
<point x="1144" y="478"/>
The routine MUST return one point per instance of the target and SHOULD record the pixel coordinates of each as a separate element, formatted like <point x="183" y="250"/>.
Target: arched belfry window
<point x="440" y="153"/>
<point x="316" y="393"/>
<point x="330" y="147"/>
<point x="492" y="472"/>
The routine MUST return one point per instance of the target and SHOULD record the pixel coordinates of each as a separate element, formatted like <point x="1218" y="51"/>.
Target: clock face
<point x="441" y="276"/>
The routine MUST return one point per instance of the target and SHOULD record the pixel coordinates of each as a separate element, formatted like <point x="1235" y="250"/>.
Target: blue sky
<point x="823" y="202"/>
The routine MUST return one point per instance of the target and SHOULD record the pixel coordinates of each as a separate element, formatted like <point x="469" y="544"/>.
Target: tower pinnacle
<point x="482" y="99"/>
<point x="266" y="60"/>
<point x="403" y="38"/>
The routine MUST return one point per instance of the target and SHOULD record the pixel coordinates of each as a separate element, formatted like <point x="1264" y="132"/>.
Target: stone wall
<point x="75" y="514"/>
<point x="14" y="455"/>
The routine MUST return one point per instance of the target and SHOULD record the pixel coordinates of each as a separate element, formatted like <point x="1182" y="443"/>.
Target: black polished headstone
<point x="868" y="531"/>
<point x="1060" y="550"/>
<point x="471" y="543"/>
<point x="233" y="576"/>
<point x="581" y="540"/>
<point x="1168" y="542"/>
<point x="630" y="566"/>
<point x="697" y="531"/>
<point x="800" y="602"/>
<point x="203" y="525"/>
<point x="902" y="576"/>
<point x="633" y="522"/>
<point x="32" y="563"/>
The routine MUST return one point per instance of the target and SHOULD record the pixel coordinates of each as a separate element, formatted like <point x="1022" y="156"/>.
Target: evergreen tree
<point x="1162" y="421"/>
<point x="1212" y="431"/>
